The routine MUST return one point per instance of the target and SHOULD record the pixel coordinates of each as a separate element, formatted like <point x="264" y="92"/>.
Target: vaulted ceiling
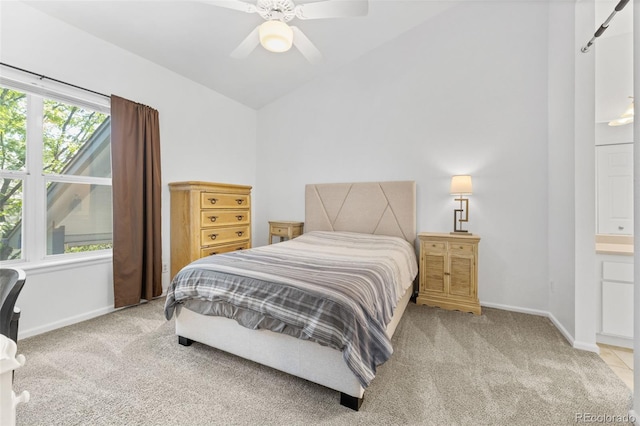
<point x="195" y="39"/>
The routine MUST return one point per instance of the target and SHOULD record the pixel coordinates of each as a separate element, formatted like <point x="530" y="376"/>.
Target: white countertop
<point x="614" y="244"/>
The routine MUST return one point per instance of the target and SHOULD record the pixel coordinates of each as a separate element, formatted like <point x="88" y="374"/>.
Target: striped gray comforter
<point x="337" y="288"/>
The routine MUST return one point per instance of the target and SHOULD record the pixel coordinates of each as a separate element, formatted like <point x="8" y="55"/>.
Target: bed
<point x="357" y="236"/>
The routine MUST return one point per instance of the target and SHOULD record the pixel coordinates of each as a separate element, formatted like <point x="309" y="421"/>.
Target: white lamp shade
<point x="461" y="184"/>
<point x="276" y="36"/>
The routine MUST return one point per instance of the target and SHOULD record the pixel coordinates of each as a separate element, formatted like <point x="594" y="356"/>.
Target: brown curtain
<point x="136" y="185"/>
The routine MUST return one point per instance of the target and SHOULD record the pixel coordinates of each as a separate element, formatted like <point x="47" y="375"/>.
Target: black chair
<point x="11" y="283"/>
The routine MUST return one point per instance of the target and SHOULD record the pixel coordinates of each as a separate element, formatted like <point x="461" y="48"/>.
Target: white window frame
<point x="34" y="195"/>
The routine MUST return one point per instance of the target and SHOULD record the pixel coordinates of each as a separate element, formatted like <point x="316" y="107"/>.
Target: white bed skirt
<point x="302" y="358"/>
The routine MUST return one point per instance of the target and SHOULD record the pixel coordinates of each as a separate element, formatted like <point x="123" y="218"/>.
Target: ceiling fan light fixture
<point x="276" y="36"/>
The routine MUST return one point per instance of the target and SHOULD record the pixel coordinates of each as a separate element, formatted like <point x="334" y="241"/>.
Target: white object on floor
<point x="8" y="399"/>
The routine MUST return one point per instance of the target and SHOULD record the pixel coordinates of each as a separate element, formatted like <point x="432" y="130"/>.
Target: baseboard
<point x="608" y="339"/>
<point x="515" y="309"/>
<point x="23" y="334"/>
<point x="585" y="346"/>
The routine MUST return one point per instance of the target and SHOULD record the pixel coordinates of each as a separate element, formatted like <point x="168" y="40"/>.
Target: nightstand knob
<point x="239" y="200"/>
<point x="239" y="233"/>
<point x="239" y="217"/>
<point x="433" y="245"/>
<point x="213" y="200"/>
<point x="213" y="236"/>
<point x="213" y="218"/>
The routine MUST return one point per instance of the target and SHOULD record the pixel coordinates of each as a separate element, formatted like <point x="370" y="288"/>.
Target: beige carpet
<point x="448" y="368"/>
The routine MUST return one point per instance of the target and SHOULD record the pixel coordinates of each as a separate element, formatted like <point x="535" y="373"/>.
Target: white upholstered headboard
<point x="383" y="208"/>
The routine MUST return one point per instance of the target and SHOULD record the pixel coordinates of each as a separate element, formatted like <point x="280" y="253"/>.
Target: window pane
<point x="76" y="140"/>
<point x="11" y="219"/>
<point x="78" y="217"/>
<point x="13" y="129"/>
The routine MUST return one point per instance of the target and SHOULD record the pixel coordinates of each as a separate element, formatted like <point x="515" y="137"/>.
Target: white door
<point x="615" y="189"/>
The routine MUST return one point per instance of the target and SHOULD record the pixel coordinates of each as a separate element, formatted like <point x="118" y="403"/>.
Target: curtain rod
<point x="605" y="25"/>
<point x="53" y="79"/>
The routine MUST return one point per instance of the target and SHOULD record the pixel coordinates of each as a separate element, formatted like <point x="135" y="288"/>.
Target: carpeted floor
<point x="449" y="368"/>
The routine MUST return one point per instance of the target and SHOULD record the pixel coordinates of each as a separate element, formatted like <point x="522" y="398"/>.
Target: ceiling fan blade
<point x="332" y="9"/>
<point x="247" y="45"/>
<point x="233" y="4"/>
<point x="304" y="45"/>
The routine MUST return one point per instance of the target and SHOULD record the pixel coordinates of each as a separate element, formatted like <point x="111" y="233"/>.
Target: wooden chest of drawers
<point x="206" y="219"/>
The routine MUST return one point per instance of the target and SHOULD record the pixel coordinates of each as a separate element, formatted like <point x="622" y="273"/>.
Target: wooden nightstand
<point x="449" y="272"/>
<point x="285" y="229"/>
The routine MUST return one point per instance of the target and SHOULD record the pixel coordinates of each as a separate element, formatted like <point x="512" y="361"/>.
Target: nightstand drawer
<point x="462" y="248"/>
<point x="213" y="236"/>
<point x="213" y="200"/>
<point x="434" y="246"/>
<point x="279" y="232"/>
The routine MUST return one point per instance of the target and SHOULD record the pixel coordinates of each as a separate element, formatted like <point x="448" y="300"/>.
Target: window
<point x="55" y="171"/>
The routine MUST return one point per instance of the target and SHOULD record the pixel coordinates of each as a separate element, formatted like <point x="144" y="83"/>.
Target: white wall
<point x="561" y="168"/>
<point x="463" y="93"/>
<point x="204" y="136"/>
<point x="584" y="183"/>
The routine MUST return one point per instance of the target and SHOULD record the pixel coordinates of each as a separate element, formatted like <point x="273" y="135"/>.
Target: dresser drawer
<point x="213" y="236"/>
<point x="224" y="248"/>
<point x="209" y="218"/>
<point x="213" y="200"/>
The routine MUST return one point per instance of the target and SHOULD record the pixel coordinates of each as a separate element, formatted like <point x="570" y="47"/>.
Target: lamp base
<point x="462" y="232"/>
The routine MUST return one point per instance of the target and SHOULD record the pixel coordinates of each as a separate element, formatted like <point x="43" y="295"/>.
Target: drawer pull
<point x="213" y="236"/>
<point x="213" y="218"/>
<point x="461" y="247"/>
<point x="213" y="200"/>
<point x="240" y="233"/>
<point x="239" y="217"/>
<point x="447" y="273"/>
<point x="433" y="245"/>
<point x="620" y="227"/>
<point x="239" y="200"/>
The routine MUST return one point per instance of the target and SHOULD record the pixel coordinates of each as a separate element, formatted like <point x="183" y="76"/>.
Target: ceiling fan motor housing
<point x="282" y="10"/>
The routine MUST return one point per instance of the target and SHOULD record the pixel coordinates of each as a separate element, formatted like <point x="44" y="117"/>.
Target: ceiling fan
<point x="276" y="35"/>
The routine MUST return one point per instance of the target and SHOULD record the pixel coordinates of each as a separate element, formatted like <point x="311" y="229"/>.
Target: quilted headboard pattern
<point x="383" y="208"/>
